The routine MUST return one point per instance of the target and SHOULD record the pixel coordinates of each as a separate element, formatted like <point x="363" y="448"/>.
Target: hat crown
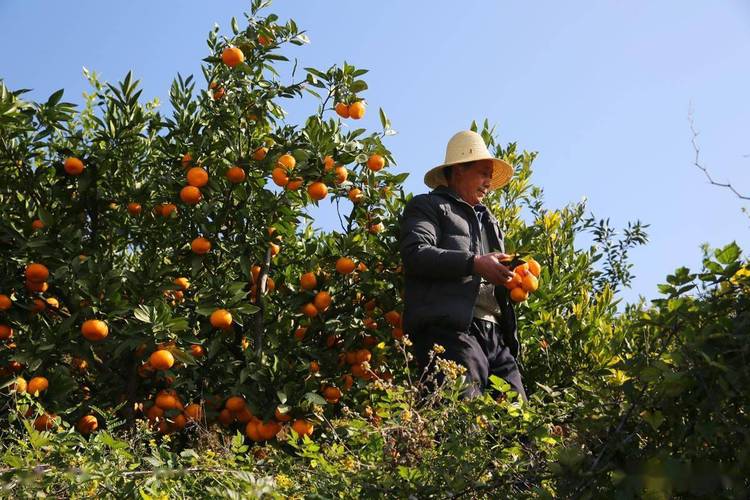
<point x="466" y="146"/>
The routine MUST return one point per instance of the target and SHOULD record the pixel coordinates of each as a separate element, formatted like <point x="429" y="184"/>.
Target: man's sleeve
<point x="419" y="235"/>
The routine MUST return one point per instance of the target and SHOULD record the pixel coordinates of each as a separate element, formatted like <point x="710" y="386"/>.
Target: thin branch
<point x="697" y="163"/>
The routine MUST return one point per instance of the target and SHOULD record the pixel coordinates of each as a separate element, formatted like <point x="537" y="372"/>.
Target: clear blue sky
<point x="600" y="88"/>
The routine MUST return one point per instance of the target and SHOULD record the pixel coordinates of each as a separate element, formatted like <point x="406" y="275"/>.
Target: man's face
<point x="472" y="181"/>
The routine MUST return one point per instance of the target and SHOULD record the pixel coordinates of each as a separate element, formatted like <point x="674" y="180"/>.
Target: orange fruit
<point x="348" y="381"/>
<point x="279" y="177"/>
<point x="39" y="306"/>
<point x="397" y="333"/>
<point x="179" y="422"/>
<point x="299" y="333"/>
<point x="198" y="351"/>
<point x="235" y="403"/>
<point x="264" y="40"/>
<point x="161" y="359"/>
<point x="197" y="177"/>
<point x="186" y="160"/>
<point x="251" y="430"/>
<point x="308" y="281"/>
<point x="518" y="294"/>
<point x="37" y="385"/>
<point x="200" y="246"/>
<point x="235" y="175"/>
<point x="328" y="163"/>
<point x="282" y="417"/>
<point x="332" y="394"/>
<point x="314" y="366"/>
<point x="268" y="430"/>
<point x="37" y="224"/>
<point x="514" y="282"/>
<point x="182" y="282"/>
<point x="393" y="317"/>
<point x="167" y="401"/>
<point x="355" y="195"/>
<point x="286" y="161"/>
<point x="243" y="415"/>
<point x="194" y="412"/>
<point x="226" y="417"/>
<point x="275" y="249"/>
<point x="190" y="195"/>
<point x="342" y="110"/>
<point x="20" y="385"/>
<point x="73" y="166"/>
<point x="363" y="355"/>
<point x="37" y="287"/>
<point x="219" y="93"/>
<point x="232" y="56"/>
<point x="255" y="272"/>
<point x="79" y="364"/>
<point x="322" y="301"/>
<point x="37" y="273"/>
<point x="45" y="422"/>
<point x="6" y="332"/>
<point x="530" y="283"/>
<point x="357" y="110"/>
<point x="94" y="330"/>
<point x="303" y="427"/>
<point x="165" y="209"/>
<point x="522" y="269"/>
<point x="317" y="190"/>
<point x="53" y="302"/>
<point x="221" y="318"/>
<point x="294" y="184"/>
<point x="375" y="163"/>
<point x="260" y="153"/>
<point x="134" y="208"/>
<point x="310" y="310"/>
<point x="5" y="302"/>
<point x="534" y="267"/>
<point x="341" y="174"/>
<point x="345" y="265"/>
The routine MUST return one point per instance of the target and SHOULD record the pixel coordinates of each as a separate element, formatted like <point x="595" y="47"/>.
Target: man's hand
<point x="489" y="267"/>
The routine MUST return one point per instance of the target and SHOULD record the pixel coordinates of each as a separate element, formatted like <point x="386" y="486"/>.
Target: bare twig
<point x="697" y="162"/>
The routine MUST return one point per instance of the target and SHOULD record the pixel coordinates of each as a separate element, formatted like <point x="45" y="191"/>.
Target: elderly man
<point x="451" y="246"/>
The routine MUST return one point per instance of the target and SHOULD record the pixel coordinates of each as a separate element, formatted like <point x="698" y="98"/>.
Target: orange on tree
<point x="6" y="332"/>
<point x="308" y="281"/>
<point x="260" y="153"/>
<point x="197" y="177"/>
<point x="37" y="273"/>
<point x="221" y="318"/>
<point x="232" y="56"/>
<point x="161" y="359"/>
<point x="328" y="163"/>
<point x="226" y="417"/>
<point x="345" y="265"/>
<point x="299" y="333"/>
<point x="186" y="160"/>
<point x="197" y="351"/>
<point x="200" y="246"/>
<point x="286" y="161"/>
<point x="179" y="422"/>
<point x="94" y="330"/>
<point x="235" y="403"/>
<point x="356" y="195"/>
<point x="341" y="174"/>
<point x="317" y="190"/>
<point x="42" y="286"/>
<point x="376" y="228"/>
<point x="182" y="282"/>
<point x="375" y="162"/>
<point x="5" y="302"/>
<point x="167" y="400"/>
<point x="194" y="412"/>
<point x="252" y="431"/>
<point x="275" y="249"/>
<point x="363" y="355"/>
<point x="294" y="184"/>
<point x="397" y="333"/>
<point x="45" y="421"/>
<point x="219" y="93"/>
<point x="314" y="366"/>
<point x="37" y="224"/>
<point x="303" y="427"/>
<point x="190" y="195"/>
<point x="134" y="208"/>
<point x="347" y="381"/>
<point x="268" y="430"/>
<point x="518" y="294"/>
<point x="39" y="305"/>
<point x="87" y="424"/>
<point x="20" y="385"/>
<point x="534" y="267"/>
<point x="322" y="301"/>
<point x="37" y="385"/>
<point x="309" y="310"/>
<point x="244" y="415"/>
<point x="342" y="110"/>
<point x="52" y="302"/>
<point x="279" y="177"/>
<point x="514" y="282"/>
<point x="332" y="394"/>
<point x="393" y="317"/>
<point x="530" y="283"/>
<point x="264" y="40"/>
<point x="235" y="175"/>
<point x="73" y="166"/>
<point x="357" y="110"/>
<point x="282" y="416"/>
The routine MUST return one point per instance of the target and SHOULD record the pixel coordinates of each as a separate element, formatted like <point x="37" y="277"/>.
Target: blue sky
<point x="601" y="89"/>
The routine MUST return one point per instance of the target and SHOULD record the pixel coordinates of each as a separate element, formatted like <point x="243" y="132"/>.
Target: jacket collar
<point x="447" y="192"/>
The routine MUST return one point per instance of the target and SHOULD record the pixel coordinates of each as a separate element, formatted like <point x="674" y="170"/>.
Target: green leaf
<point x="728" y="254"/>
<point x="315" y="398"/>
<point x="141" y="313"/>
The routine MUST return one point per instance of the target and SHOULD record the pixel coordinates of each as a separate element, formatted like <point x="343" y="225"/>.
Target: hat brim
<point x="501" y="174"/>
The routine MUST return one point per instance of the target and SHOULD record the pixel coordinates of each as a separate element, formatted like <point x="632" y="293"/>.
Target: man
<point x="451" y="246"/>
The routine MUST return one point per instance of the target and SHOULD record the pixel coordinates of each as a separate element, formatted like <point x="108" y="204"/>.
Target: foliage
<point x="644" y="402"/>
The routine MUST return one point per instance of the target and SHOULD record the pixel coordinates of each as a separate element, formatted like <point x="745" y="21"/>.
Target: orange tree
<point x="167" y="263"/>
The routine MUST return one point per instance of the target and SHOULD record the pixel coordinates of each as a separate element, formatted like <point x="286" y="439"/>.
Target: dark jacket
<point x="439" y="235"/>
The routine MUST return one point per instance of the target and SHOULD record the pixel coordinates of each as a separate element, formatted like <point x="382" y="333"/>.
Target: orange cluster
<point x="525" y="280"/>
<point x="168" y="414"/>
<point x="355" y="110"/>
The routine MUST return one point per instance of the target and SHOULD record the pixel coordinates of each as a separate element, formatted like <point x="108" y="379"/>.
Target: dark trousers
<point x="480" y="349"/>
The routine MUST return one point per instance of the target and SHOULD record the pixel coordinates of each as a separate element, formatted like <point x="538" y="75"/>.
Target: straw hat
<point x="464" y="147"/>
